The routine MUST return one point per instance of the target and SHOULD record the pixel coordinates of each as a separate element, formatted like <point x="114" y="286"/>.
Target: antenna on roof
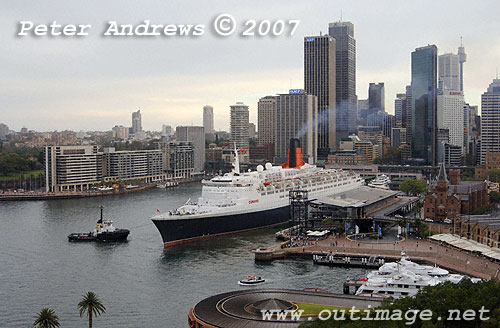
<point x="461" y="44"/>
<point x="497" y="72"/>
<point x="340" y="16"/>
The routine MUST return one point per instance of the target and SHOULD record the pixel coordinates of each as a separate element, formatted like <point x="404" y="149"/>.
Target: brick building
<point x="483" y="229"/>
<point x="491" y="161"/>
<point x="449" y="199"/>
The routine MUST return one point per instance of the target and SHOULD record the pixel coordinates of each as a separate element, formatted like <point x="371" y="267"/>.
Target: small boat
<point x="381" y="182"/>
<point x="251" y="281"/>
<point x="104" y="231"/>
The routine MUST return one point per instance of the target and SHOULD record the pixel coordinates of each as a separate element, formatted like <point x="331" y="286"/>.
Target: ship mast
<point x="236" y="162"/>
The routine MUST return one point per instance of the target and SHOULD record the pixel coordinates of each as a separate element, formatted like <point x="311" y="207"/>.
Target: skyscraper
<point x="239" y="116"/>
<point x="490" y="119"/>
<point x="136" y="121"/>
<point x="319" y="80"/>
<point x="196" y="136"/>
<point x="376" y="97"/>
<point x="424" y="104"/>
<point x="266" y="116"/>
<point x="450" y="116"/>
<point x="296" y="118"/>
<point x="449" y="72"/>
<point x="346" y="99"/>
<point x="400" y="110"/>
<point x="408" y="114"/>
<point x="208" y="119"/>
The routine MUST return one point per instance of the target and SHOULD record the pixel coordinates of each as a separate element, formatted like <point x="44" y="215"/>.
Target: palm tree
<point x="91" y="304"/>
<point x="46" y="318"/>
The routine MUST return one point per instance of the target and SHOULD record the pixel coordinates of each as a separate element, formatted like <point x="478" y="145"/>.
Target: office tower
<point x="296" y="114"/>
<point x="398" y="136"/>
<point x="208" y="119"/>
<point x="266" y="116"/>
<point x="136" y="122"/>
<point x="449" y="72"/>
<point x="346" y="99"/>
<point x="196" y="136"/>
<point x="362" y="111"/>
<point x="4" y="130"/>
<point x="490" y="119"/>
<point x="424" y="104"/>
<point x="120" y="132"/>
<point x="320" y="81"/>
<point x="239" y="129"/>
<point x="400" y="110"/>
<point x="166" y="130"/>
<point x="388" y="124"/>
<point x="408" y="114"/>
<point x="252" y="132"/>
<point x="450" y="116"/>
<point x="462" y="58"/>
<point x="376" y="97"/>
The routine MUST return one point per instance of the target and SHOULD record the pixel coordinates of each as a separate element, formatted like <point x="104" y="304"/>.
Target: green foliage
<point x="439" y="300"/>
<point x="494" y="175"/>
<point x="15" y="163"/>
<point x="482" y="209"/>
<point x="495" y="197"/>
<point x="46" y="318"/>
<point x="91" y="305"/>
<point x="413" y="187"/>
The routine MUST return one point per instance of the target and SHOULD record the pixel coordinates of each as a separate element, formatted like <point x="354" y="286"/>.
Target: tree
<point x="495" y="197"/>
<point x="46" y="318"/>
<point x="91" y="304"/>
<point x="413" y="186"/>
<point x="494" y="175"/>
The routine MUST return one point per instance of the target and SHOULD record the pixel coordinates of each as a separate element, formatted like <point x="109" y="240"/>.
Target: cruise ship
<point x="240" y="201"/>
<point x="404" y="278"/>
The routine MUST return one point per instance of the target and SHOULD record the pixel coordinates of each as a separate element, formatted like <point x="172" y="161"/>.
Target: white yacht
<point x="404" y="278"/>
<point x="381" y="181"/>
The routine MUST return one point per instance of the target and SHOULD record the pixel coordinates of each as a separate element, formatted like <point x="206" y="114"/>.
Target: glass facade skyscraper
<point x="424" y="105"/>
<point x="347" y="101"/>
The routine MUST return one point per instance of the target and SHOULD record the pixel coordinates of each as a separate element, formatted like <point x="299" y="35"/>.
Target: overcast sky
<point x="93" y="83"/>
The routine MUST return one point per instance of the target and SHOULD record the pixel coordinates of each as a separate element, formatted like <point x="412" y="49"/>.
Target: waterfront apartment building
<point x="239" y="120"/>
<point x="195" y="135"/>
<point x="149" y="165"/>
<point x="180" y="159"/>
<point x="266" y="116"/>
<point x="72" y="168"/>
<point x="490" y="120"/>
<point x="345" y="78"/>
<point x="136" y="122"/>
<point x="320" y="81"/>
<point x="424" y="105"/>
<point x="296" y="114"/>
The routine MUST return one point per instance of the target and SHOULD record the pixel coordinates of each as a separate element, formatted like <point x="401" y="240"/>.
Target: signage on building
<point x="309" y="39"/>
<point x="295" y="91"/>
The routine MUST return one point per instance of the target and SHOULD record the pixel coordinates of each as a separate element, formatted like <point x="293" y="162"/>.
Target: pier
<point x="420" y="251"/>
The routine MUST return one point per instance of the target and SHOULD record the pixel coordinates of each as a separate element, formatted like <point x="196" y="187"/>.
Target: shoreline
<point x="83" y="194"/>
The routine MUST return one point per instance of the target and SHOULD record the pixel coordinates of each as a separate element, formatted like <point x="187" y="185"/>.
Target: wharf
<point x="421" y="251"/>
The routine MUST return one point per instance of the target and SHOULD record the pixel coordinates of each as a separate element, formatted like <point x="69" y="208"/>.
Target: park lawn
<point x="315" y="309"/>
<point x="17" y="176"/>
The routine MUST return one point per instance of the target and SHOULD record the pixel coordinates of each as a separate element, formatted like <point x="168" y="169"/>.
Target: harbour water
<point x="140" y="283"/>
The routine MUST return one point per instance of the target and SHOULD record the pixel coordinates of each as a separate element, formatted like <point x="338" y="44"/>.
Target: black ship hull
<point x="182" y="230"/>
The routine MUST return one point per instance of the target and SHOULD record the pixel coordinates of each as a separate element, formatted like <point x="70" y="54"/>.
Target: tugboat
<point x="104" y="231"/>
<point x="251" y="281"/>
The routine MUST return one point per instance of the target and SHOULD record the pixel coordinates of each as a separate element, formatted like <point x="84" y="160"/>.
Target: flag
<point x="346" y="226"/>
<point x="408" y="227"/>
<point x="243" y="150"/>
<point x="380" y="231"/>
<point x="157" y="210"/>
<point x="357" y="229"/>
<point x="373" y="225"/>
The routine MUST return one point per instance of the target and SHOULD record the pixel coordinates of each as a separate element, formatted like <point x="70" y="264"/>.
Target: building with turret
<point x="450" y="198"/>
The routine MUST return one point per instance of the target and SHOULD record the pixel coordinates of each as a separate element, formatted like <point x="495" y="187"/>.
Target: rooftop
<point x="359" y="197"/>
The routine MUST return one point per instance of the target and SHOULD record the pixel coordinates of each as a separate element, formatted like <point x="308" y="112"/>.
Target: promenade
<point x="418" y="250"/>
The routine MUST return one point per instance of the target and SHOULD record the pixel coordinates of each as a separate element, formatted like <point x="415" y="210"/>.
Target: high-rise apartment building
<point x="345" y="88"/>
<point x="136" y="121"/>
<point x="320" y="81"/>
<point x="490" y="119"/>
<point x="4" y="130"/>
<point x="196" y="136"/>
<point x="208" y="119"/>
<point x="296" y="115"/>
<point x="424" y="105"/>
<point x="120" y="132"/>
<point x="266" y="116"/>
<point x="239" y="116"/>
